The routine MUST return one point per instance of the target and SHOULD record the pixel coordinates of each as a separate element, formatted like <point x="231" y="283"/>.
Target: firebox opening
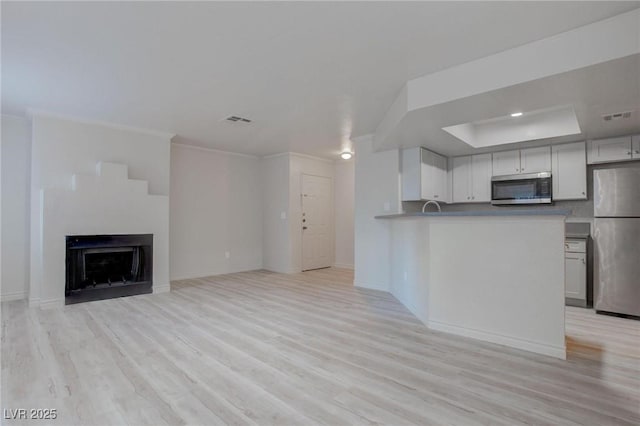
<point x="108" y="266"/>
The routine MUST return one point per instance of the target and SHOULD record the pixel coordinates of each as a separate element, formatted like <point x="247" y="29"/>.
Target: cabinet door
<point x="481" y="178"/>
<point x="506" y="163"/>
<point x="575" y="275"/>
<point x="569" y="171"/>
<point x="613" y="149"/>
<point x="441" y="178"/>
<point x="533" y="160"/>
<point x="462" y="176"/>
<point x="635" y="147"/>
<point x="434" y="176"/>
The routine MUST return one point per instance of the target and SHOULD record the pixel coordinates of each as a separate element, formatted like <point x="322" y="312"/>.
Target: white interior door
<point x="316" y="222"/>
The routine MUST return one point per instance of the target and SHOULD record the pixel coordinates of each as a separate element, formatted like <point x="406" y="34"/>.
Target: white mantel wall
<point x="16" y="153"/>
<point x="63" y="147"/>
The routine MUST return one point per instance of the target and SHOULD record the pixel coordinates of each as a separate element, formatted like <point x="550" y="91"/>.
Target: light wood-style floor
<point x="265" y="348"/>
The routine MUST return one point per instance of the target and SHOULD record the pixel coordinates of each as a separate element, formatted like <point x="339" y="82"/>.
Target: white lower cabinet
<point x="575" y="261"/>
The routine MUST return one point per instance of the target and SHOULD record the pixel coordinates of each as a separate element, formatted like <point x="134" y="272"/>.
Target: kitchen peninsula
<point x="493" y="276"/>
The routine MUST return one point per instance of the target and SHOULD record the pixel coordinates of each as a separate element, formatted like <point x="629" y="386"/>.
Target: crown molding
<point x="32" y="112"/>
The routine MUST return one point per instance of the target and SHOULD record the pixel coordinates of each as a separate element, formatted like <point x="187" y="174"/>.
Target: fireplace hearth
<point x="108" y="266"/>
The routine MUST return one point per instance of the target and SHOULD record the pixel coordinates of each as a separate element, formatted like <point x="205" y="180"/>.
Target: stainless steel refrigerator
<point x="616" y="238"/>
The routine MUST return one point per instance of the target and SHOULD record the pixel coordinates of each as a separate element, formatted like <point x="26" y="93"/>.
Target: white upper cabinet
<point x="569" y="171"/>
<point x="506" y="163"/>
<point x="424" y="175"/>
<point x="472" y="179"/>
<point x="481" y="178"/>
<point x="534" y="160"/>
<point x="462" y="180"/>
<point x="607" y="150"/>
<point x="530" y="160"/>
<point x="434" y="176"/>
<point x="635" y="147"/>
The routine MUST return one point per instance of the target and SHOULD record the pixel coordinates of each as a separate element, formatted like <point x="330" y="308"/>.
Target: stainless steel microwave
<point x="530" y="188"/>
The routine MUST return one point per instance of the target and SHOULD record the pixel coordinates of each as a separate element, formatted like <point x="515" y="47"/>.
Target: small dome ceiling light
<point x="346" y="155"/>
<point x="516" y="114"/>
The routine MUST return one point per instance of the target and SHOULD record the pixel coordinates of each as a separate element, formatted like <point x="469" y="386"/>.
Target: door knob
<point x="304" y="227"/>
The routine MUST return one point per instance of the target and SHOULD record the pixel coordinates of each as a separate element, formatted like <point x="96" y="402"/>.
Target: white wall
<point x="377" y="191"/>
<point x="344" y="193"/>
<point x="63" y="147"/>
<point x="282" y="207"/>
<point x="470" y="276"/>
<point x="216" y="208"/>
<point x="16" y="151"/>
<point x="299" y="165"/>
<point x="276" y="244"/>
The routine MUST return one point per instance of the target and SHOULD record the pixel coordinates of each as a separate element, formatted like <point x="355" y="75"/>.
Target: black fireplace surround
<point x="108" y="266"/>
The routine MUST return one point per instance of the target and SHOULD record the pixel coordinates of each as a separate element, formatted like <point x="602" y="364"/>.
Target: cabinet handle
<point x="583" y="193"/>
<point x="583" y="262"/>
<point x="637" y="151"/>
<point x="522" y="169"/>
<point x="468" y="198"/>
<point x="473" y="198"/>
<point x="629" y="153"/>
<point x="435" y="196"/>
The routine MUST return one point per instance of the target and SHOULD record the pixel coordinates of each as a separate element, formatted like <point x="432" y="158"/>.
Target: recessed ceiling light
<point x="516" y="114"/>
<point x="346" y="155"/>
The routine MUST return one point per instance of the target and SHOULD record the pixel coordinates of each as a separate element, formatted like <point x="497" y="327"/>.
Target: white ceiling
<point x="309" y="75"/>
<point x="608" y="87"/>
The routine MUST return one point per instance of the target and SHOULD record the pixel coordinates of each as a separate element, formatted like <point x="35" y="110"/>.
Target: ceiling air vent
<point x="236" y="119"/>
<point x="617" y="116"/>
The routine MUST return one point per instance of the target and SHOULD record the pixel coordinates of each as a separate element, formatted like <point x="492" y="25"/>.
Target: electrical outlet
<point x="283" y="215"/>
<point x="227" y="255"/>
<point x="406" y="276"/>
<point x="387" y="206"/>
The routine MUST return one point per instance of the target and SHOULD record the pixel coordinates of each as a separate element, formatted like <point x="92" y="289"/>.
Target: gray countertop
<point x="577" y="230"/>
<point x="528" y="212"/>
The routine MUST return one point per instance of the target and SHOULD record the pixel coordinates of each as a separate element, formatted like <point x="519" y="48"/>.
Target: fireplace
<point x="107" y="266"/>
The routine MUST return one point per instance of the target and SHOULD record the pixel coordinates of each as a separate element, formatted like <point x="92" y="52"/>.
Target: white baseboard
<point x="343" y="265"/>
<point x="9" y="297"/>
<point x="161" y="288"/>
<point x="373" y="286"/>
<point x="514" y="342"/>
<point x="50" y="303"/>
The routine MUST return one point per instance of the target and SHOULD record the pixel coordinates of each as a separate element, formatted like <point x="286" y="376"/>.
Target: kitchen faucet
<point x="431" y="202"/>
